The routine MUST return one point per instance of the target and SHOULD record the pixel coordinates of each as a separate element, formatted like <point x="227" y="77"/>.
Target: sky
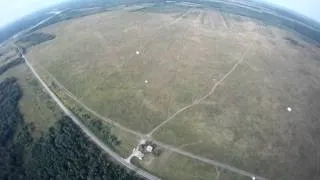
<point x="309" y="8"/>
<point x="11" y="10"/>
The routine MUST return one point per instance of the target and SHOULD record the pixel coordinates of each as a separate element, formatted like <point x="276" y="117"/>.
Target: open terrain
<point x="120" y="141"/>
<point x="170" y="165"/>
<point x="222" y="86"/>
<point x="246" y="121"/>
<point x="101" y="67"/>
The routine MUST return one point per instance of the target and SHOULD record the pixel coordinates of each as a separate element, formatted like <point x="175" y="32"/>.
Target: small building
<point x="139" y="154"/>
<point x="149" y="148"/>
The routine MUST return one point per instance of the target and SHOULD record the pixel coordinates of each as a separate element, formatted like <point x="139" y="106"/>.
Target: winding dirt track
<point x="166" y="146"/>
<point x="91" y="135"/>
<point x="115" y="156"/>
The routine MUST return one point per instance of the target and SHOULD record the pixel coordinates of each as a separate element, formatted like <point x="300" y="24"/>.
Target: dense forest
<point x="62" y="153"/>
<point x="12" y="148"/>
<point x="10" y="64"/>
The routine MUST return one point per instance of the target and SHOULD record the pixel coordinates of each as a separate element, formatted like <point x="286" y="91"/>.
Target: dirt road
<point x="91" y="135"/>
<point x="148" y="136"/>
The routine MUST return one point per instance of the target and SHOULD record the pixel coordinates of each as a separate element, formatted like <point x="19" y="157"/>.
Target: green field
<point x="247" y="91"/>
<point x="104" y="71"/>
<point x="120" y="141"/>
<point x="170" y="165"/>
<point x="245" y="122"/>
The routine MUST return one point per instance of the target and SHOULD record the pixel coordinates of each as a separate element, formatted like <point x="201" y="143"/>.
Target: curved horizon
<point x="308" y="8"/>
<point x="16" y="9"/>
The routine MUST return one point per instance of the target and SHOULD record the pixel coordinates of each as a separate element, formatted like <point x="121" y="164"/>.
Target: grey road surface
<point x="91" y="135"/>
<point x="147" y="136"/>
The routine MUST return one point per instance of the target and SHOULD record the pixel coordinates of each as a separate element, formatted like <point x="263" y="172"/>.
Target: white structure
<point x="142" y="141"/>
<point x="253" y="178"/>
<point x="137" y="52"/>
<point x="146" y="81"/>
<point x="149" y="148"/>
<point x="137" y="154"/>
<point x="289" y="109"/>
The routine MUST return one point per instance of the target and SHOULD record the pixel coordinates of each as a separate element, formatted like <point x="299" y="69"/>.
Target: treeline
<point x="62" y="153"/>
<point x="101" y="130"/>
<point x="300" y="27"/>
<point x="65" y="153"/>
<point x="34" y="18"/>
<point x="34" y="39"/>
<point x="22" y="24"/>
<point x="10" y="64"/>
<point x="73" y="8"/>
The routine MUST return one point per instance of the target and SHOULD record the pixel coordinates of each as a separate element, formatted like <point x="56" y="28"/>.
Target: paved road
<point x="166" y="146"/>
<point x="121" y="160"/>
<point x="91" y="135"/>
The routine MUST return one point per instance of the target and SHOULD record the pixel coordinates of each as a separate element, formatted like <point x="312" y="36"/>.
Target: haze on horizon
<point x="14" y="9"/>
<point x="309" y="8"/>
